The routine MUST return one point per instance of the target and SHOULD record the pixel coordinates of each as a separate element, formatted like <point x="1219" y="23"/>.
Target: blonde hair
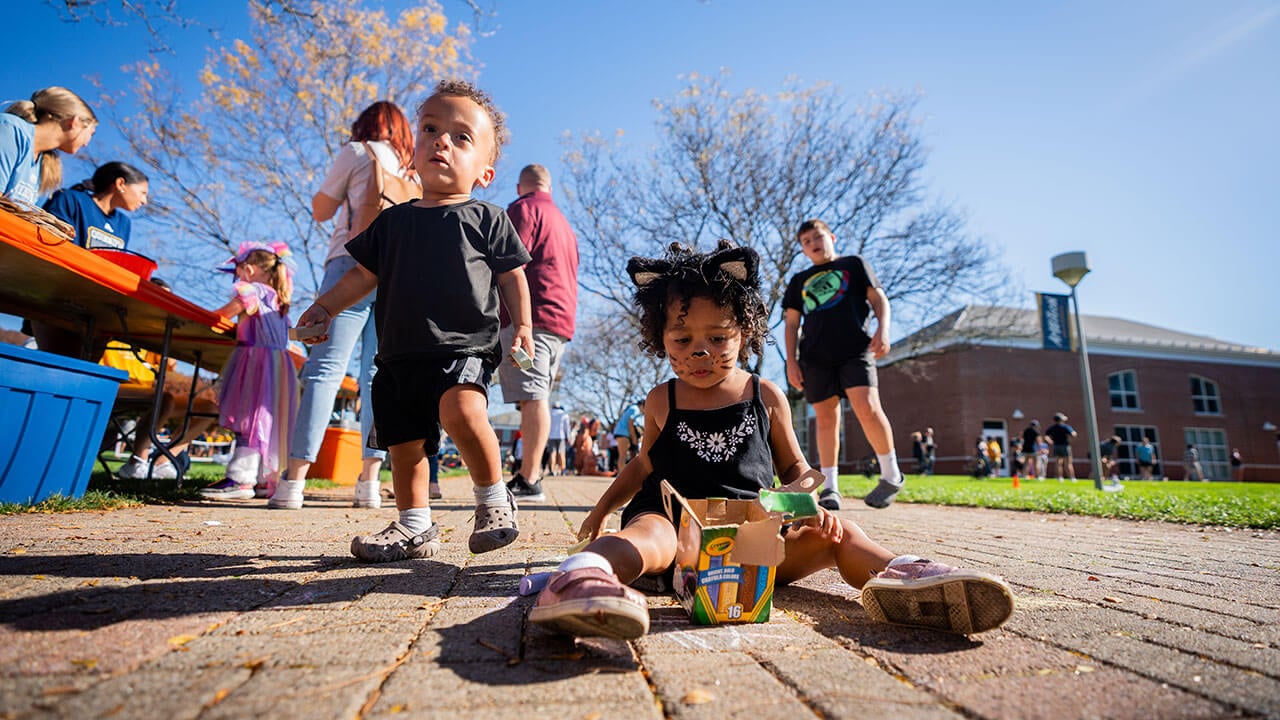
<point x="277" y="273"/>
<point x="52" y="104"/>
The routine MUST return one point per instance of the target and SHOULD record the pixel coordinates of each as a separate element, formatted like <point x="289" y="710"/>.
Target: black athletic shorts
<point x="406" y="397"/>
<point x="831" y="380"/>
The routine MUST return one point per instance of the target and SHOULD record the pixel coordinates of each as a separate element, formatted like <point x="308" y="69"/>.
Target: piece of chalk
<point x="534" y="582"/>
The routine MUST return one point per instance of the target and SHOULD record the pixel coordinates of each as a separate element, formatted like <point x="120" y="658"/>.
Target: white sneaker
<point x="368" y="494"/>
<point x="288" y="495"/>
<point x="162" y="471"/>
<point x="136" y="469"/>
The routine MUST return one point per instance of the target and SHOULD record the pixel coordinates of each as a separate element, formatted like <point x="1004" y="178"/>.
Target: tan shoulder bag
<point x="382" y="190"/>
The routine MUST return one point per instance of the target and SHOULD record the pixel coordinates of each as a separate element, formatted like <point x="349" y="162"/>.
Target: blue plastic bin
<point x="53" y="412"/>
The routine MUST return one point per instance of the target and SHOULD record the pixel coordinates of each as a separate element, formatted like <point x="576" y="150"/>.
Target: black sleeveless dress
<point x="722" y="452"/>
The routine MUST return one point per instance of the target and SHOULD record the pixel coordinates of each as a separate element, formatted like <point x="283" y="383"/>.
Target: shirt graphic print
<point x="717" y="446"/>
<point x="824" y="289"/>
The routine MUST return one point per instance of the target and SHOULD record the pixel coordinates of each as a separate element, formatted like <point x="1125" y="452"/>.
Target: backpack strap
<point x="377" y="166"/>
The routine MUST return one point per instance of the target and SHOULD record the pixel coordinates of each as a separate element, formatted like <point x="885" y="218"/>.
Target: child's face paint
<point x="702" y="343"/>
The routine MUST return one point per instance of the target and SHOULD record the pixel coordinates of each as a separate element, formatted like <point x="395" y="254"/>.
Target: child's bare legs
<point x="875" y="424"/>
<point x="826" y="416"/>
<point x="410" y="475"/>
<point x="857" y="557"/>
<point x="464" y="415"/>
<point x="827" y="435"/>
<point x="646" y="545"/>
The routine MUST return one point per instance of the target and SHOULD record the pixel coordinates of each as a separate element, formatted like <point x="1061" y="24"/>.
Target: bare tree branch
<point x="751" y="168"/>
<point x="160" y="16"/>
<point x="241" y="159"/>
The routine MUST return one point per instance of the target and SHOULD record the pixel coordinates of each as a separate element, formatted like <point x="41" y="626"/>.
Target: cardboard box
<point x="727" y="553"/>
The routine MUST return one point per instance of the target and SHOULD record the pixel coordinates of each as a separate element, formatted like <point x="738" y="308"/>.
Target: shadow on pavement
<point x="115" y="588"/>
<point x="844" y="621"/>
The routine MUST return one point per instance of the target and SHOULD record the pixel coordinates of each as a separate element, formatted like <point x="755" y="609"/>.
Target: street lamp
<point x="1071" y="268"/>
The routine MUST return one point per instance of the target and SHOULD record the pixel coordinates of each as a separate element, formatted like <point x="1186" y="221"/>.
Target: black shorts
<point x="406" y="397"/>
<point x="831" y="380"/>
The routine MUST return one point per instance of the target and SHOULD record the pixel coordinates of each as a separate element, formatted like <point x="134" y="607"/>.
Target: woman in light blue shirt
<point x="31" y="134"/>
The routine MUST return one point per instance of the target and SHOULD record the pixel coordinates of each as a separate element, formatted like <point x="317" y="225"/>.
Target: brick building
<point x="982" y="371"/>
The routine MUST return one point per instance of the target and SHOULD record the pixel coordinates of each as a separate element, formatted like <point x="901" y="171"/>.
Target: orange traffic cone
<point x="1016" y="484"/>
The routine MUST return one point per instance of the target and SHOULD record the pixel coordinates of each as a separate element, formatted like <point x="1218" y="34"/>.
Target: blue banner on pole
<point x="1054" y="322"/>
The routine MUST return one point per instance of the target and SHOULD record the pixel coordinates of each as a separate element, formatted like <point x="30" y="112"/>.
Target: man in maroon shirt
<point x="553" y="292"/>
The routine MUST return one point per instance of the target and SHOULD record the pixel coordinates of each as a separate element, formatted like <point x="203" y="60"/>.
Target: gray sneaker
<point x="396" y="543"/>
<point x="882" y="495"/>
<point x="495" y="526"/>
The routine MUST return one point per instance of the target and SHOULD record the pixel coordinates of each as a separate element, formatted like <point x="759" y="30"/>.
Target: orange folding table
<point x="47" y="277"/>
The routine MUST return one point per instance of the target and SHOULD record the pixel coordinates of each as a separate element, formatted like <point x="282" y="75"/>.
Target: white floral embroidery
<point x="717" y="446"/>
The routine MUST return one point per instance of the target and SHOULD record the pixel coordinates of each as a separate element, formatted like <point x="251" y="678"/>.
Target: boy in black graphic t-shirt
<point x="833" y="356"/>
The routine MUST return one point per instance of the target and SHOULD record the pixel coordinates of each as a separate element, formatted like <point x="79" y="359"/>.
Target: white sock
<point x="831" y="473"/>
<point x="417" y="520"/>
<point x="904" y="559"/>
<point x="889" y="471"/>
<point x="586" y="559"/>
<point x="495" y="494"/>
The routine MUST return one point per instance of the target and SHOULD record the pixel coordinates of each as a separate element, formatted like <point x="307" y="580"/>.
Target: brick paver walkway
<point x="211" y="610"/>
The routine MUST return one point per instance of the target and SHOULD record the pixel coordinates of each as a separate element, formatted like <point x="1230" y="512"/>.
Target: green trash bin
<point x="53" y="412"/>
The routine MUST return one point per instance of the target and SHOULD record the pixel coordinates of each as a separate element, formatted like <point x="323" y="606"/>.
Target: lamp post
<point x="1071" y="268"/>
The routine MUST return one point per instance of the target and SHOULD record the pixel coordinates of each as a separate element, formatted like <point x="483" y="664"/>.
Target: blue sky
<point x="1143" y="133"/>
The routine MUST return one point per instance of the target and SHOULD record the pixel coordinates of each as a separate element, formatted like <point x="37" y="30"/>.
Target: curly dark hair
<point x="463" y="88"/>
<point x="727" y="276"/>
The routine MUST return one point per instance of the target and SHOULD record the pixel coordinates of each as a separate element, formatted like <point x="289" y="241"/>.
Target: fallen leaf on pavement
<point x="697" y="696"/>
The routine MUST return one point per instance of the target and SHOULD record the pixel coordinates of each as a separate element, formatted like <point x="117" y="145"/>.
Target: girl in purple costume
<point x="258" y="397"/>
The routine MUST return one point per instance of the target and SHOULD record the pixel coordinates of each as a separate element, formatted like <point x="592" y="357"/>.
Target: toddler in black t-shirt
<point x="439" y="265"/>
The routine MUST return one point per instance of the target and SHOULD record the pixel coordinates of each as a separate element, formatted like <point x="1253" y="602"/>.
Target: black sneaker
<point x="525" y="490"/>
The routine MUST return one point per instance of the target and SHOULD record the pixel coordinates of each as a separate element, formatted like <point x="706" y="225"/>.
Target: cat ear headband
<point x="725" y="264"/>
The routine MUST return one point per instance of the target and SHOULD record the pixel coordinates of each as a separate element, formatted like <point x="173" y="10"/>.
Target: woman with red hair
<point x="381" y="140"/>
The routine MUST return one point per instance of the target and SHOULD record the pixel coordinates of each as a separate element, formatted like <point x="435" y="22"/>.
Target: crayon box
<point x="727" y="552"/>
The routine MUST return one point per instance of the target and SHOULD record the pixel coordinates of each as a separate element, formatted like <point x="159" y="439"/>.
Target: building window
<point x="1212" y="446"/>
<point x="1204" y="396"/>
<point x="1124" y="390"/>
<point x="1126" y="454"/>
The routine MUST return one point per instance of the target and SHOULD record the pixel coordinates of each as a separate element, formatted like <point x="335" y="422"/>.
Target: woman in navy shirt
<point x="96" y="209"/>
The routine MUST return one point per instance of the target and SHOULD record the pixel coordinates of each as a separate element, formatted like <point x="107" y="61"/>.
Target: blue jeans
<point x="327" y="365"/>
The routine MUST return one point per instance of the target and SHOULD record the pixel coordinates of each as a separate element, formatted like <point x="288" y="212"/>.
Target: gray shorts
<point x="534" y="383"/>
